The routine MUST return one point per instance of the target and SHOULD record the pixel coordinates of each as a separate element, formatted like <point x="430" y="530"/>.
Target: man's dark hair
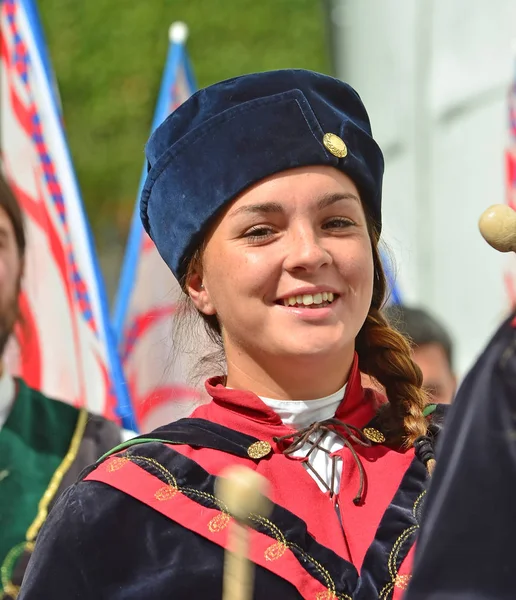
<point x="420" y="327"/>
<point x="11" y="206"/>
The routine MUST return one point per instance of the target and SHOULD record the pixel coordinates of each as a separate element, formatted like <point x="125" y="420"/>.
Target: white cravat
<point x="7" y="393"/>
<point x="301" y="413"/>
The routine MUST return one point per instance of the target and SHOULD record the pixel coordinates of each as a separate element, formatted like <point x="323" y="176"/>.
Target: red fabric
<point x="210" y="523"/>
<point x="292" y="487"/>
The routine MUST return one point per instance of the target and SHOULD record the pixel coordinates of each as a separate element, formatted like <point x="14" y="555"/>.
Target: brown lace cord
<point x="301" y="437"/>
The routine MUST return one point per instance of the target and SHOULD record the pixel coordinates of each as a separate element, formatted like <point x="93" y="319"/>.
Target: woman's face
<point x="288" y="268"/>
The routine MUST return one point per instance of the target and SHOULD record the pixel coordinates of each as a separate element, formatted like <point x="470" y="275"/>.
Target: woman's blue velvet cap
<point x="230" y="135"/>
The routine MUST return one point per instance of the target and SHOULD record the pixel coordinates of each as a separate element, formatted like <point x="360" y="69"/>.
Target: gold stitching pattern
<point x="327" y="595"/>
<point x="402" y="581"/>
<point x="219" y="522"/>
<point x="273" y="528"/>
<point x="398" y="580"/>
<point x="281" y="541"/>
<point x="171" y="480"/>
<point x="416" y="504"/>
<point x="167" y="492"/>
<point x="116" y="464"/>
<point x="275" y="551"/>
<point x="7" y="567"/>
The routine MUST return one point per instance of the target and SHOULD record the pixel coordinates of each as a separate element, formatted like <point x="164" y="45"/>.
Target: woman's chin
<point x="312" y="349"/>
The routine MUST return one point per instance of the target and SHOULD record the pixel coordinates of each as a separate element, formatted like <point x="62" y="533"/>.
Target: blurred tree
<point x="108" y="56"/>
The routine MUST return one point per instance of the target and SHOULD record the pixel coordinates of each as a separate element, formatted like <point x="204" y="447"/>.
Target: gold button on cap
<point x="374" y="435"/>
<point x="334" y="144"/>
<point x="259" y="449"/>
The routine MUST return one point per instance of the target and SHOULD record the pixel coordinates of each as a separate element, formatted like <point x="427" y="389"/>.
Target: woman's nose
<point x="306" y="252"/>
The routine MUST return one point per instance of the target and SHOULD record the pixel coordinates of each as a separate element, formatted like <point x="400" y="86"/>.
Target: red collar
<point x="357" y="408"/>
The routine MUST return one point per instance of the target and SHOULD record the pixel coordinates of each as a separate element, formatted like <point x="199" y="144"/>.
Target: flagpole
<point x="29" y="6"/>
<point x="178" y="34"/>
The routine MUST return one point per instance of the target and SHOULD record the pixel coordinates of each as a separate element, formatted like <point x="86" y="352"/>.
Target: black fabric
<point x="200" y="433"/>
<point x="99" y="437"/>
<point x="395" y="536"/>
<point x="127" y="551"/>
<point x="466" y="547"/>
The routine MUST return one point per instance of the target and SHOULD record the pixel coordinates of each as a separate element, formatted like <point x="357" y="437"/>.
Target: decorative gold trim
<point x="398" y="580"/>
<point x="275" y="551"/>
<point x="327" y="595"/>
<point x="7" y="568"/>
<point x="167" y="492"/>
<point x="219" y="522"/>
<point x="57" y="477"/>
<point x="55" y="481"/>
<point x="402" y="581"/>
<point x="116" y="463"/>
<point x="259" y="449"/>
<point x="12" y="590"/>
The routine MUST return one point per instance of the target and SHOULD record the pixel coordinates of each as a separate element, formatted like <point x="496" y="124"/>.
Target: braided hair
<point x="385" y="355"/>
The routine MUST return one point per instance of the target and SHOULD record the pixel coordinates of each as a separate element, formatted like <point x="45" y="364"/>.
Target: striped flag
<point x="510" y="155"/>
<point x="147" y="300"/>
<point x="510" y="181"/>
<point x="64" y="345"/>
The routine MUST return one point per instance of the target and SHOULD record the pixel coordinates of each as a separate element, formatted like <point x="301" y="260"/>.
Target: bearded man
<point x="44" y="443"/>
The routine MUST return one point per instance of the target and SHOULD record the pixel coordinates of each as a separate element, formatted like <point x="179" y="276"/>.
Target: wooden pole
<point x="243" y="492"/>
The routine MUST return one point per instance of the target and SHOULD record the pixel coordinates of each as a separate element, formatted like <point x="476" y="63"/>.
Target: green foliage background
<point x="108" y="57"/>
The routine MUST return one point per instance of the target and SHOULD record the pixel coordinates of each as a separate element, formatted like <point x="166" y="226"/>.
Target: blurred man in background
<point x="44" y="444"/>
<point x="432" y="349"/>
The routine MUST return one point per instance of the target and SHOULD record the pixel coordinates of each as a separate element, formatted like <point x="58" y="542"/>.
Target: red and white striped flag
<point x="510" y="174"/>
<point x="147" y="301"/>
<point x="65" y="346"/>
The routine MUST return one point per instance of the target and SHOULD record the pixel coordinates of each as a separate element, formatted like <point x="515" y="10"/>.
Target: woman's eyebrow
<point x="330" y="198"/>
<point x="264" y="207"/>
<point x="274" y="207"/>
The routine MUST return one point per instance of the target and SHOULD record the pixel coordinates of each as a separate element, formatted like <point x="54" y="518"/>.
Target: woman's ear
<point x="200" y="294"/>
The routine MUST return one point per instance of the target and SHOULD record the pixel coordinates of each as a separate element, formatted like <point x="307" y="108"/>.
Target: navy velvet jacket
<point x="466" y="547"/>
<point x="144" y="523"/>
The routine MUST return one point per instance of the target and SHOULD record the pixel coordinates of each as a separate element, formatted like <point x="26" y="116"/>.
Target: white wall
<point x="434" y="76"/>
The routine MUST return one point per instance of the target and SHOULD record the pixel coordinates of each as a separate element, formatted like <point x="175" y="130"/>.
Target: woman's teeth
<point x="323" y="298"/>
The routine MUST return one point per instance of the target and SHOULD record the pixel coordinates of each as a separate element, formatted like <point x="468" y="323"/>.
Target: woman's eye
<point x="338" y="223"/>
<point x="258" y="233"/>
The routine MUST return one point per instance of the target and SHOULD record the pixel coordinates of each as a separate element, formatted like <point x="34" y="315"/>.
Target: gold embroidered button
<point x="259" y="449"/>
<point x="335" y="145"/>
<point x="374" y="435"/>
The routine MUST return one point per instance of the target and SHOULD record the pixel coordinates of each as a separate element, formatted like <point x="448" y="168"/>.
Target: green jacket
<point x="44" y="445"/>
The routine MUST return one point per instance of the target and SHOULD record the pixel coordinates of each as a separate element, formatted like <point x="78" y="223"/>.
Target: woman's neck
<point x="288" y="379"/>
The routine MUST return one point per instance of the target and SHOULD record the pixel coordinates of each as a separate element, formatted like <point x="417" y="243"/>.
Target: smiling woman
<point x="263" y="196"/>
